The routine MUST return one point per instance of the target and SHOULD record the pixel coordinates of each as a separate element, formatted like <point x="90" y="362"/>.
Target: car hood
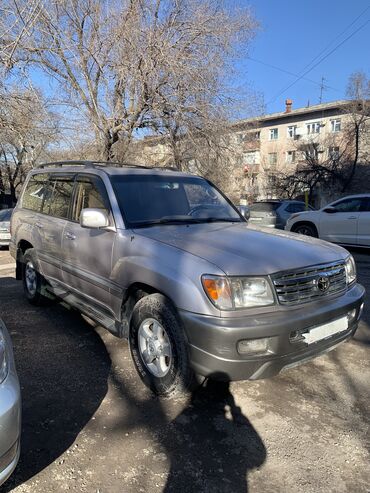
<point x="240" y="249"/>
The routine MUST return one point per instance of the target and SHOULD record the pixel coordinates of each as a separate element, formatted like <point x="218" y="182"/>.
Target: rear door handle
<point x="39" y="225"/>
<point x="70" y="236"/>
<point x="352" y="217"/>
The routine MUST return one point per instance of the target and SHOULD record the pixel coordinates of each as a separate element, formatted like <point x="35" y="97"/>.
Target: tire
<point x="34" y="284"/>
<point x="158" y="347"/>
<point x="306" y="229"/>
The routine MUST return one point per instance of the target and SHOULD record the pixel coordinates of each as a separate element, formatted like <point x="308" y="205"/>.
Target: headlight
<point x="350" y="270"/>
<point x="3" y="358"/>
<point x="238" y="292"/>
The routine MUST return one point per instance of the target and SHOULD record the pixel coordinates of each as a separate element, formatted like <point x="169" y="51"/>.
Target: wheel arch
<point x="22" y="247"/>
<point x="135" y="292"/>
<point x="305" y="223"/>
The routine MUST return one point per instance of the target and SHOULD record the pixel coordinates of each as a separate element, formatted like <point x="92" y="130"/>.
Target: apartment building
<point x="280" y="142"/>
<point x="266" y="146"/>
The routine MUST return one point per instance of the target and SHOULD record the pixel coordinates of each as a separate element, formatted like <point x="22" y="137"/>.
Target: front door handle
<point x="70" y="236"/>
<point x="39" y="225"/>
<point x="352" y="217"/>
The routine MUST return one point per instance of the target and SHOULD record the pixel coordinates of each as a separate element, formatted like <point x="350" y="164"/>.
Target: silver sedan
<point x="5" y="215"/>
<point x="10" y="408"/>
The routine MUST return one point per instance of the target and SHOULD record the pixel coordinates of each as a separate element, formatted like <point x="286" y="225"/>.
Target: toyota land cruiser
<point x="164" y="259"/>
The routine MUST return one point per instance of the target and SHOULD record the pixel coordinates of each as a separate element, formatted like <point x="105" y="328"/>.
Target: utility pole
<point x="322" y="87"/>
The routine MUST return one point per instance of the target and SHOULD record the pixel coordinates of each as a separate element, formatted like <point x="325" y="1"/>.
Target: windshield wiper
<point x="185" y="220"/>
<point x="221" y="220"/>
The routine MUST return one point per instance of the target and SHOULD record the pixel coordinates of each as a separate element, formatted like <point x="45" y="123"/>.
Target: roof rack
<point x="88" y="164"/>
<point x="93" y="164"/>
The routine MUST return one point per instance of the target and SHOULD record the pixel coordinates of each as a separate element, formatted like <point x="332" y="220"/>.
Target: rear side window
<point x="295" y="208"/>
<point x="35" y="193"/>
<point x="265" y="206"/>
<point x="60" y="197"/>
<point x="90" y="193"/>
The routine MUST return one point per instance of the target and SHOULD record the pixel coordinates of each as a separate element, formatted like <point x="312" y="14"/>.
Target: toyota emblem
<point x="323" y="283"/>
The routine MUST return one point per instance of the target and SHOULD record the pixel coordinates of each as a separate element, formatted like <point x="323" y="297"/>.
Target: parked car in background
<point x="5" y="215"/>
<point x="275" y="213"/>
<point x="345" y="221"/>
<point x="244" y="211"/>
<point x="164" y="259"/>
<point x="10" y="408"/>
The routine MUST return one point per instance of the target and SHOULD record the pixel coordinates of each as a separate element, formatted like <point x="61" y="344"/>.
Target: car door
<point x="363" y="229"/>
<point x="87" y="252"/>
<point x="339" y="225"/>
<point x="52" y="221"/>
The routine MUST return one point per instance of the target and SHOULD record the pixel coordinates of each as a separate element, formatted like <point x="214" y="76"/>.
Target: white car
<point x="345" y="221"/>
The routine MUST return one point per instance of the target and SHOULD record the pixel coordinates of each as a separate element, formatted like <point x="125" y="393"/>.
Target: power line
<point x="336" y="37"/>
<point x="318" y="63"/>
<point x="291" y="73"/>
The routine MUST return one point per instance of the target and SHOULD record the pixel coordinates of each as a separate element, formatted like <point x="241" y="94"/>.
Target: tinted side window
<point x="365" y="204"/>
<point x="61" y="193"/>
<point x="90" y="193"/>
<point x="348" y="205"/>
<point x="35" y="192"/>
<point x="295" y="208"/>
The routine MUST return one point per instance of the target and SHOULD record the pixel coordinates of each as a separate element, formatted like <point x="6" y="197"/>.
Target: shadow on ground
<point x="63" y="367"/>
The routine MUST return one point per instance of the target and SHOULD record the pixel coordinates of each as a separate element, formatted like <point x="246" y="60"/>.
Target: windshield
<point x="5" y="214"/>
<point x="147" y="200"/>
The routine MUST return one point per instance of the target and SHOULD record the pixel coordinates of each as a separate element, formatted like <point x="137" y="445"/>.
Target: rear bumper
<point x="213" y="341"/>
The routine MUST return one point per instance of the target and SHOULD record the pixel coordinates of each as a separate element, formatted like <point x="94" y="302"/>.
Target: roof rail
<point x="93" y="164"/>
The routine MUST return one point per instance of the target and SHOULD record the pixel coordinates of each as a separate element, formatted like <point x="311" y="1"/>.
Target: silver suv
<point x="164" y="259"/>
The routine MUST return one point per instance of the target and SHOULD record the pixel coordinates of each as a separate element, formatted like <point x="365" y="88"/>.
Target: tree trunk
<point x="355" y="160"/>
<point x="12" y="193"/>
<point x="110" y="138"/>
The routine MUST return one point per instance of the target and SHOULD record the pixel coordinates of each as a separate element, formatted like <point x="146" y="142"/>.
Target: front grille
<point x="304" y="285"/>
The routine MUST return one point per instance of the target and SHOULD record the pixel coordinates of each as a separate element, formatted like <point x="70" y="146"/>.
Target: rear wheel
<point x="34" y="284"/>
<point x="306" y="229"/>
<point x="158" y="347"/>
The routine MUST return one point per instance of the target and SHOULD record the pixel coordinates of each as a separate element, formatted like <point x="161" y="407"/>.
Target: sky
<point x="291" y="35"/>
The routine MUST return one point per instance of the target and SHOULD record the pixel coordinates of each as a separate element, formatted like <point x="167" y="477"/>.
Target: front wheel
<point x="306" y="229"/>
<point x="158" y="347"/>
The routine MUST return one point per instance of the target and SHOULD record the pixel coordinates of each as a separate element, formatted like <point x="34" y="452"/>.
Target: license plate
<point x="326" y="330"/>
<point x="255" y="218"/>
<point x="4" y="236"/>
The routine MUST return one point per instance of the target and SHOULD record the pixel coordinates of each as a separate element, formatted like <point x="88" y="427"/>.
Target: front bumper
<point x="213" y="341"/>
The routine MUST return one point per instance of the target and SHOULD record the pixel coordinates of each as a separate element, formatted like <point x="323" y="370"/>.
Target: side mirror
<point x="330" y="210"/>
<point x="94" y="218"/>
<point x="244" y="211"/>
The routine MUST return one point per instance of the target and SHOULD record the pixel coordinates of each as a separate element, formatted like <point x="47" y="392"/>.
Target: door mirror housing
<point x="94" y="218"/>
<point x="330" y="210"/>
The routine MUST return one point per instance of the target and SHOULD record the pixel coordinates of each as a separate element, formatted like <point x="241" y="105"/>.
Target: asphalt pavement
<point x="89" y="425"/>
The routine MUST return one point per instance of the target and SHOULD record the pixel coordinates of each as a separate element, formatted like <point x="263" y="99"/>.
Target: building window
<point x="255" y="135"/>
<point x="291" y="131"/>
<point x="272" y="158"/>
<point x="251" y="157"/>
<point x="313" y="128"/>
<point x="274" y="133"/>
<point x="336" y="126"/>
<point x="240" y="138"/>
<point x="334" y="153"/>
<point x="311" y="152"/>
<point x="290" y="157"/>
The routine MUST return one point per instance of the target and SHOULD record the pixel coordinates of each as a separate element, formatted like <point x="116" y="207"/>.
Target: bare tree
<point x="26" y="128"/>
<point x="130" y="65"/>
